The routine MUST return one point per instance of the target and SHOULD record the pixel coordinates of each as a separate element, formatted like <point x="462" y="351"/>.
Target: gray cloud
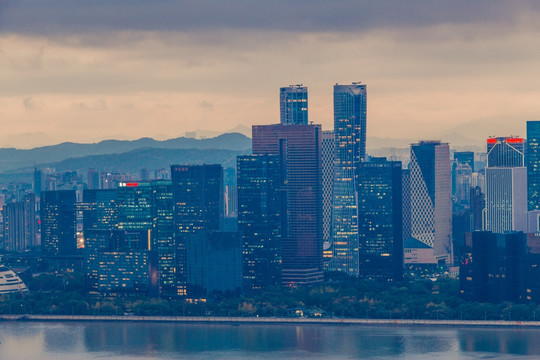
<point x="57" y="16"/>
<point x="32" y="104"/>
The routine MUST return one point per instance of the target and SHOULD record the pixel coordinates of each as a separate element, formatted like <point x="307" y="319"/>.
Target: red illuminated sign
<point x="132" y="184"/>
<point x="491" y="141"/>
<point x="514" y="140"/>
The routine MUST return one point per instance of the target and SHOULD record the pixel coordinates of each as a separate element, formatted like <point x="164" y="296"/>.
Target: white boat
<point x="10" y="282"/>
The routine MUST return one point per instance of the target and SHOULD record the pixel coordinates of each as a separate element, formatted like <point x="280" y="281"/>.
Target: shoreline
<point x="271" y="320"/>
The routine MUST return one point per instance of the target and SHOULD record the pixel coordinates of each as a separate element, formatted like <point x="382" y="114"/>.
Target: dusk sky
<point x="90" y="70"/>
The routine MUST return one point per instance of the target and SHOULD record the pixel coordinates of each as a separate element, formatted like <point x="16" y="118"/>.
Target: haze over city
<point x="87" y="71"/>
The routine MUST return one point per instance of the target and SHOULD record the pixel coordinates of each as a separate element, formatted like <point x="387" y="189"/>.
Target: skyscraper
<point x="299" y="150"/>
<point x="506" y="199"/>
<point x="101" y="209"/>
<point x="533" y="164"/>
<point x="506" y="185"/>
<point x="380" y="219"/>
<point x="465" y="157"/>
<point x="350" y="106"/>
<point x="58" y="223"/>
<point x="260" y="208"/>
<point x="327" y="181"/>
<point x="20" y="224"/>
<point x="431" y="206"/>
<point x="293" y="105"/>
<point x="505" y="151"/>
<point x="198" y="206"/>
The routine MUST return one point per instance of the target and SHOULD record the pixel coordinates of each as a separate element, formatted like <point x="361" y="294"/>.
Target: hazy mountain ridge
<point x="14" y="159"/>
<point x="131" y="162"/>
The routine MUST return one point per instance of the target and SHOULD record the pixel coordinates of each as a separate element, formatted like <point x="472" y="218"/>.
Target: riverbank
<point x="273" y="320"/>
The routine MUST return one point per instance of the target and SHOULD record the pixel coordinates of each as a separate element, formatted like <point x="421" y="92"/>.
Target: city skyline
<point x="74" y="72"/>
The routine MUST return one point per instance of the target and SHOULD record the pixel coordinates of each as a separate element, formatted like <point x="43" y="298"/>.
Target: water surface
<point x="118" y="340"/>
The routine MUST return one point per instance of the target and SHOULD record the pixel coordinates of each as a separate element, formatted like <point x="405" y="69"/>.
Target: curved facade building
<point x="10" y="282"/>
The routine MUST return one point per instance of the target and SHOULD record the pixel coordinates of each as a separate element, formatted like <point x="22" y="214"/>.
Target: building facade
<point x="299" y="151"/>
<point x="197" y="206"/>
<point x="380" y="219"/>
<point x="58" y="223"/>
<point x="431" y="206"/>
<point x="350" y="109"/>
<point x="260" y="207"/>
<point x="533" y="165"/>
<point x="293" y="105"/>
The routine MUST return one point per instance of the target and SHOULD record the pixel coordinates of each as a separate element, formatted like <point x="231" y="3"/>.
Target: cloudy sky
<point x="90" y="70"/>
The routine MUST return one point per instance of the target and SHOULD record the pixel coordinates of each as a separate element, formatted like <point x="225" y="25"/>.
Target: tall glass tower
<point x="533" y="164"/>
<point x="293" y="105"/>
<point x="350" y="106"/>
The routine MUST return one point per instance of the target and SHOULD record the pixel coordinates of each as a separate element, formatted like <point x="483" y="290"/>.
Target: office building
<point x="494" y="267"/>
<point x="100" y="210"/>
<point x="505" y="152"/>
<point x="350" y="108"/>
<point x="38" y="180"/>
<point x="19" y="220"/>
<point x="406" y="202"/>
<point x="162" y="237"/>
<point x="506" y="199"/>
<point x="93" y="179"/>
<point x="533" y="165"/>
<point x="213" y="264"/>
<point x="260" y="208"/>
<point x="327" y="156"/>
<point x="58" y="223"/>
<point x="380" y="219"/>
<point x="465" y="158"/>
<point x="197" y="206"/>
<point x="293" y="105"/>
<point x="299" y="151"/>
<point x="431" y="206"/>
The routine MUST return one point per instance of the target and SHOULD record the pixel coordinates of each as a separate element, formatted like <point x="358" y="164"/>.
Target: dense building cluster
<point x="305" y="201"/>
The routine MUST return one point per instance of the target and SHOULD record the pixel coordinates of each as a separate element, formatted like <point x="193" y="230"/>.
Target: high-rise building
<point x="148" y="207"/>
<point x="494" y="267"/>
<point x="465" y="157"/>
<point x="299" y="150"/>
<point x="533" y="164"/>
<point x="162" y="238"/>
<point x="119" y="262"/>
<point x="431" y="205"/>
<point x="19" y="219"/>
<point x="197" y="206"/>
<point x="58" y="223"/>
<point x="38" y="180"/>
<point x="327" y="182"/>
<point x="350" y="109"/>
<point x="213" y="263"/>
<point x="406" y="202"/>
<point x="506" y="199"/>
<point x="380" y="219"/>
<point x="506" y="185"/>
<point x="463" y="184"/>
<point x="100" y="210"/>
<point x="260" y="207"/>
<point x="506" y="152"/>
<point x="293" y="105"/>
<point x="93" y="179"/>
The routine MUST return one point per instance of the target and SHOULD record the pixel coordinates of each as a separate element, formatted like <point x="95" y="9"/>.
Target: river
<point x="122" y="340"/>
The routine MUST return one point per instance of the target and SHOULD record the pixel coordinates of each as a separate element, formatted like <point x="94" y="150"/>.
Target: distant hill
<point x="52" y="156"/>
<point x="131" y="162"/>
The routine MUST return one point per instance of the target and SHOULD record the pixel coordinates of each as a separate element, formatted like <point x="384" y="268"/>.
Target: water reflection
<point x="20" y="340"/>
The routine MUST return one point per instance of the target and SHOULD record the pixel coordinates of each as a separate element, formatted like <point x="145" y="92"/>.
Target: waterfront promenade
<point x="273" y="320"/>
